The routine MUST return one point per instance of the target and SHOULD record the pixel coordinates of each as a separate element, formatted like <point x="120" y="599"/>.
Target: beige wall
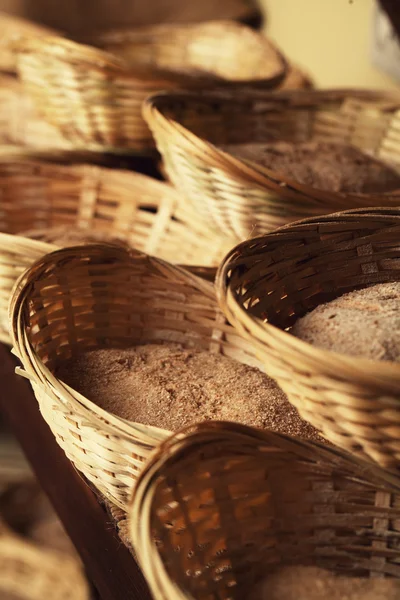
<point x="331" y="38"/>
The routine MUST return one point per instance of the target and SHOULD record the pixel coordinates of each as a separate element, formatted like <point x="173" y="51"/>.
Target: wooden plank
<point x="109" y="564"/>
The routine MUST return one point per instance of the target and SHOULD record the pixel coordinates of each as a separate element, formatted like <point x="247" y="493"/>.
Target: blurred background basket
<point x="20" y="124"/>
<point x="266" y="284"/>
<point x="105" y="93"/>
<point x="220" y="506"/>
<point x="47" y="201"/>
<point x="77" y="18"/>
<point x="216" y="53"/>
<point x="243" y="198"/>
<point x="11" y="29"/>
<point x="101" y="295"/>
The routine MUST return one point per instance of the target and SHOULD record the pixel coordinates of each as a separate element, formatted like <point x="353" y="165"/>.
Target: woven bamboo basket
<point x="104" y="93"/>
<point x="11" y="29"/>
<point x="147" y="214"/>
<point x="101" y="295"/>
<point x="20" y="124"/>
<point x="219" y="507"/>
<point x="265" y="284"/>
<point x="241" y="197"/>
<point x="222" y="53"/>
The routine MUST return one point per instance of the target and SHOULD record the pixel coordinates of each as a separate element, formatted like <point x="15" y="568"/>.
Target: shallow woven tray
<point x="95" y="98"/>
<point x="265" y="285"/>
<point x="216" y="508"/>
<point x="246" y="199"/>
<point x="148" y="214"/>
<point x="101" y="295"/>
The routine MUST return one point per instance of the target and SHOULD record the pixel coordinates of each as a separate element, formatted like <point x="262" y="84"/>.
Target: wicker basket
<point x="97" y="295"/>
<point x="148" y="214"/>
<point x="105" y="94"/>
<point x="11" y="29"/>
<point x="246" y="199"/>
<point x="220" y="53"/>
<point x="218" y="508"/>
<point x="265" y="284"/>
<point x="20" y="125"/>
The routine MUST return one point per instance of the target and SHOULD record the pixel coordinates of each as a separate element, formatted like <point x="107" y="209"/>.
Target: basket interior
<point x="282" y="276"/>
<point x="224" y="512"/>
<point x="223" y="50"/>
<point x="366" y="121"/>
<point x="90" y="297"/>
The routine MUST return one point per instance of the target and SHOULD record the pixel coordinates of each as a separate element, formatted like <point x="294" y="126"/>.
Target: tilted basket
<point x="219" y="507"/>
<point x="102" y="295"/>
<point x="266" y="284"/>
<point x="147" y="214"/>
<point x="241" y="197"/>
<point x="104" y="93"/>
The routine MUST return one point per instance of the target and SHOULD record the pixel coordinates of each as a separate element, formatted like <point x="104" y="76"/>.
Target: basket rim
<point x="153" y="111"/>
<point x="367" y="368"/>
<point x="124" y="36"/>
<point x="179" y="445"/>
<point x="38" y="373"/>
<point x="82" y="54"/>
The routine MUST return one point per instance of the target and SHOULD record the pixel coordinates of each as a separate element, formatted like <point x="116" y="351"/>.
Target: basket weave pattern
<point x="245" y="199"/>
<point x="146" y="213"/>
<point x="11" y="29"/>
<point x="264" y="285"/>
<point x="217" y="507"/>
<point x="94" y="296"/>
<point x="64" y="78"/>
<point x="20" y="124"/>
<point x="105" y="92"/>
<point x="203" y="55"/>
